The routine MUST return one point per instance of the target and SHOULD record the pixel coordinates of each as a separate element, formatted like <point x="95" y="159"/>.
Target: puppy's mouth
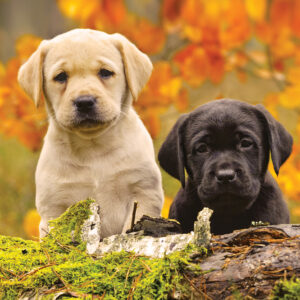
<point x="227" y="202"/>
<point x="88" y="122"/>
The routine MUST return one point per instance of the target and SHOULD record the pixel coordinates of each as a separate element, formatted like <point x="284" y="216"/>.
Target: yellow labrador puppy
<point x="96" y="145"/>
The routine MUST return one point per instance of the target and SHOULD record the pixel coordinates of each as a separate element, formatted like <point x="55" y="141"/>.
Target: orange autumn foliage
<point x="209" y="65"/>
<point x="113" y="16"/>
<point x="191" y="42"/>
<point x="19" y="116"/>
<point x="162" y="90"/>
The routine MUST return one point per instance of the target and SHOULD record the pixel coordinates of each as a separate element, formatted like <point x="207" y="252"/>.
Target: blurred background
<point x="201" y="50"/>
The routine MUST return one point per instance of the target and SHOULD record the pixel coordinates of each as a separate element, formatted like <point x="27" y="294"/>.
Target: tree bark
<point x="249" y="261"/>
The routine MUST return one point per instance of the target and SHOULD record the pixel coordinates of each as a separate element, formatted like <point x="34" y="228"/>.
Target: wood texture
<point x="249" y="261"/>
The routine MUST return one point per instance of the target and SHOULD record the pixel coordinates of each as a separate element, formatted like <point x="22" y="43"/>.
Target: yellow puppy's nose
<point x="85" y="103"/>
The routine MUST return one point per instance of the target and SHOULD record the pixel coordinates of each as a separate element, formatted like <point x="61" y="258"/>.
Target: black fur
<point x="224" y="148"/>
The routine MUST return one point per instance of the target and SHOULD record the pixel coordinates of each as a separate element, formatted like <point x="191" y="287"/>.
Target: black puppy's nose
<point x="225" y="175"/>
<point x="85" y="103"/>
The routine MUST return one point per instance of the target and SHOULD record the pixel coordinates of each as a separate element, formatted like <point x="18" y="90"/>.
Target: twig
<point x="86" y="283"/>
<point x="146" y="266"/>
<point x="68" y="287"/>
<point x="133" y="286"/>
<point x="54" y="290"/>
<point x="7" y="271"/>
<point x="68" y="247"/>
<point x="22" y="277"/>
<point x="47" y="255"/>
<point x="135" y="204"/>
<point x="199" y="291"/>
<point x="127" y="274"/>
<point x="118" y="269"/>
<point x="275" y="272"/>
<point x="62" y="281"/>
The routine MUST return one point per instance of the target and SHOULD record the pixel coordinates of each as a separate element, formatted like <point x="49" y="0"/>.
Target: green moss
<point x="59" y="263"/>
<point x="287" y="290"/>
<point x="67" y="228"/>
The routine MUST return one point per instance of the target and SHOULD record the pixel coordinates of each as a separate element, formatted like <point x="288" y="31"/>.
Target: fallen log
<point x="251" y="261"/>
<point x="155" y="260"/>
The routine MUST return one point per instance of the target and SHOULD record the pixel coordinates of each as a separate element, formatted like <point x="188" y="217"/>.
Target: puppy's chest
<point x="99" y="176"/>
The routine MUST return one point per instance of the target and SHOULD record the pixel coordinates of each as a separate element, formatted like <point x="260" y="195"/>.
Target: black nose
<point x="85" y="103"/>
<point x="225" y="175"/>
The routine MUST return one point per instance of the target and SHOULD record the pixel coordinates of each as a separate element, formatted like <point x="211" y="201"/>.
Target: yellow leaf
<point x="171" y="88"/>
<point x="256" y="9"/>
<point x="290" y="98"/>
<point x="167" y="203"/>
<point x="78" y="9"/>
<point x="214" y="8"/>
<point x="31" y="223"/>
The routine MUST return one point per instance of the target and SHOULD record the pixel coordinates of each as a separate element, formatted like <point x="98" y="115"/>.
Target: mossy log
<point x="71" y="262"/>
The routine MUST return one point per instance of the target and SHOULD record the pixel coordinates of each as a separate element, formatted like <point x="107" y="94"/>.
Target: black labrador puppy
<point x="224" y="147"/>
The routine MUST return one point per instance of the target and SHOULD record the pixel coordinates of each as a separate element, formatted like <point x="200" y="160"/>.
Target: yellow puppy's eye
<point x="105" y="74"/>
<point x="61" y="77"/>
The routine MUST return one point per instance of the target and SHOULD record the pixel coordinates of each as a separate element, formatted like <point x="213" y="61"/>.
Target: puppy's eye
<point x="246" y="143"/>
<point x="105" y="74"/>
<point x="201" y="148"/>
<point x="61" y="77"/>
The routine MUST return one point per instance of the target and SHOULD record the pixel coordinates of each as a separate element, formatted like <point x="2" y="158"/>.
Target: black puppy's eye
<point x="246" y="143"/>
<point x="201" y="148"/>
<point x="105" y="74"/>
<point x="61" y="77"/>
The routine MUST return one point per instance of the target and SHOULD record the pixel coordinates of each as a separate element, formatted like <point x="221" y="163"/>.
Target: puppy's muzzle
<point x="223" y="178"/>
<point x="86" y="112"/>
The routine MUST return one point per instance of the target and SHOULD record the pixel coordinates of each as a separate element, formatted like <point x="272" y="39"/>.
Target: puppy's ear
<point x="30" y="74"/>
<point x="280" y="141"/>
<point x="171" y="155"/>
<point x="137" y="65"/>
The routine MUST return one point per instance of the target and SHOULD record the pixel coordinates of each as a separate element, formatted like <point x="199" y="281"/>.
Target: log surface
<point x="250" y="261"/>
<point x="247" y="262"/>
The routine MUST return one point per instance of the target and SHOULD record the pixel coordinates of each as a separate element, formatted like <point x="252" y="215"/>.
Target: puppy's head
<point x="224" y="146"/>
<point x="88" y="78"/>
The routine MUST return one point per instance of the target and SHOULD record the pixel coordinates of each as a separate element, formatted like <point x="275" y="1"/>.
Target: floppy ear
<point x="30" y="74"/>
<point x="171" y="154"/>
<point x="137" y="65"/>
<point x="280" y="141"/>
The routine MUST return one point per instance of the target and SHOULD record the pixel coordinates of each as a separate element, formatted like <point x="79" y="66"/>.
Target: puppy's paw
<point x="43" y="228"/>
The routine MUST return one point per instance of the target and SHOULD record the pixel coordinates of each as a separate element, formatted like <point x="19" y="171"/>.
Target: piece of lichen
<point x="259" y="223"/>
<point x="202" y="234"/>
<point x="59" y="265"/>
<point x="286" y="290"/>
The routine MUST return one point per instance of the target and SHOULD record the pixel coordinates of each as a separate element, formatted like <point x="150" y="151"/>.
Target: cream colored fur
<point x="113" y="161"/>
